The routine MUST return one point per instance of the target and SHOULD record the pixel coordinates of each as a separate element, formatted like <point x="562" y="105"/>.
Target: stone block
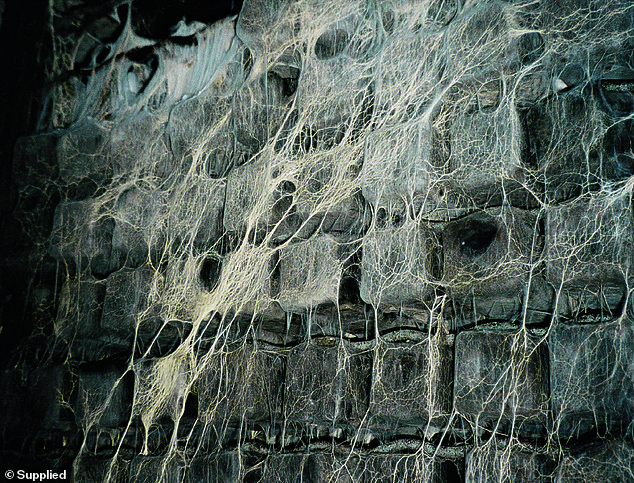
<point x="589" y="247"/>
<point x="13" y="386"/>
<point x="554" y="130"/>
<point x="412" y="382"/>
<point x="90" y="468"/>
<point x="409" y="468"/>
<point x="264" y="23"/>
<point x="244" y="384"/>
<point x="80" y="309"/>
<point x="327" y="381"/>
<point x="278" y="196"/>
<point x="247" y="295"/>
<point x="104" y="396"/>
<point x="139" y="145"/>
<point x="29" y="215"/>
<point x="310" y="272"/>
<point x="35" y="399"/>
<point x="609" y="460"/>
<point x="140" y="221"/>
<point x="318" y="193"/>
<point x="131" y="304"/>
<point x="399" y="264"/>
<point x="309" y="468"/>
<point x="259" y="111"/>
<point x="161" y="388"/>
<point x="82" y="152"/>
<point x="157" y="469"/>
<point x="248" y="204"/>
<point x="490" y="263"/>
<point x="485" y="166"/>
<point x="487" y="163"/>
<point x="82" y="237"/>
<point x="581" y="135"/>
<point x="476" y="39"/>
<point x="510" y="465"/>
<point x="591" y="376"/>
<point x="42" y="305"/>
<point x="408" y="71"/>
<point x="216" y="468"/>
<point x="399" y="171"/>
<point x="257" y="203"/>
<point x="501" y="377"/>
<point x="334" y="90"/>
<point x="196" y="211"/>
<point x="50" y="390"/>
<point x="35" y="159"/>
<point x="200" y="131"/>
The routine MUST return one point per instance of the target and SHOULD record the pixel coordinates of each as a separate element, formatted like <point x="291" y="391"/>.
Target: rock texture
<point x="355" y="241"/>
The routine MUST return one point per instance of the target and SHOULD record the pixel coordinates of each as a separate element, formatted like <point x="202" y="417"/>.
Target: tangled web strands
<point x="357" y="239"/>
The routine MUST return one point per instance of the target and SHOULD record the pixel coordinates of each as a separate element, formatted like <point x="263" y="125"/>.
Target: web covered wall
<point x="335" y="241"/>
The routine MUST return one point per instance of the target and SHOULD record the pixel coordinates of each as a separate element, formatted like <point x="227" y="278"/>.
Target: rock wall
<point x="364" y="241"/>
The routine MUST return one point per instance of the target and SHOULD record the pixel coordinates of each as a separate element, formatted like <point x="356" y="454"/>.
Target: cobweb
<point x="359" y="241"/>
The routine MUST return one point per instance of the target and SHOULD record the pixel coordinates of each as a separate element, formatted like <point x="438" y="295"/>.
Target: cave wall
<point x="362" y="241"/>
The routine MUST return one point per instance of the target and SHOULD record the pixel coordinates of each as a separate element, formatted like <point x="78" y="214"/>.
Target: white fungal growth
<point x="304" y="179"/>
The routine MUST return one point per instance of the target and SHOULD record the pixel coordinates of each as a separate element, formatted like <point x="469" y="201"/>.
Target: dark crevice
<point x="210" y="272"/>
<point x="331" y="44"/>
<point x="276" y="275"/>
<point x="476" y="234"/>
<point x="247" y="62"/>
<point x="349" y="291"/>
<point x="531" y="47"/>
<point x="103" y="54"/>
<point x="141" y="55"/>
<point x="155" y="19"/>
<point x="286" y="85"/>
<point x="437" y="260"/>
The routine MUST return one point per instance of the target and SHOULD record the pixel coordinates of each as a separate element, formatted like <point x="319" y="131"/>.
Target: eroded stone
<point x="590" y="376"/>
<point x="501" y="377"/>
<point x="327" y="381"/>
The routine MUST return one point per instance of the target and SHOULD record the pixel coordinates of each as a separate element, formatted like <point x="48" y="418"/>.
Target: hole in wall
<point x="349" y="286"/>
<point x="247" y="62"/>
<point x="286" y="85"/>
<point x="436" y="262"/>
<point x="210" y="272"/>
<point x="530" y="46"/>
<point x="276" y="273"/>
<point x="122" y="13"/>
<point x="388" y="21"/>
<point x="349" y="291"/>
<point x="476" y="234"/>
<point x="331" y="44"/>
<point x="155" y="19"/>
<point x="381" y="217"/>
<point x="191" y="405"/>
<point x="102" y="55"/>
